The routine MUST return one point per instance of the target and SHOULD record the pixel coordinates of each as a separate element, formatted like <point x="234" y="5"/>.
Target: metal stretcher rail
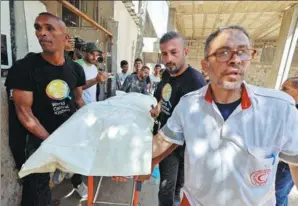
<point x="92" y="198"/>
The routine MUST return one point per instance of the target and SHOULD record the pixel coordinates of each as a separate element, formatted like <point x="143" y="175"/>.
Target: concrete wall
<point x="127" y="35"/>
<point x="87" y="32"/>
<point x="25" y="13"/>
<point x="10" y="189"/>
<point x="258" y="73"/>
<point x="32" y="9"/>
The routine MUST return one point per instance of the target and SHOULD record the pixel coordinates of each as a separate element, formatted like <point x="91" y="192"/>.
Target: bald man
<point x="47" y="90"/>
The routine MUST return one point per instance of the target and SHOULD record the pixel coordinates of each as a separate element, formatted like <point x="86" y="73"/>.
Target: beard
<point x="230" y="85"/>
<point x="90" y="61"/>
<point x="173" y="68"/>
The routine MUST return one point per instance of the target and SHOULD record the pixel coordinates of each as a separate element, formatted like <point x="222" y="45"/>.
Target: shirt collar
<point x="245" y="99"/>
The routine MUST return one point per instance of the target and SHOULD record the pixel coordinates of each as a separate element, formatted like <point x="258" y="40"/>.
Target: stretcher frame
<point x="92" y="198"/>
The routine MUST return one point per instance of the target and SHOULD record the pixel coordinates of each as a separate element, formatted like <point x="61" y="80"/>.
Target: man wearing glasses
<point x="235" y="133"/>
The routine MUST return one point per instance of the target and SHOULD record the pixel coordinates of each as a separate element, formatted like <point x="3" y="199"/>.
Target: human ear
<point x="186" y="51"/>
<point x="205" y="65"/>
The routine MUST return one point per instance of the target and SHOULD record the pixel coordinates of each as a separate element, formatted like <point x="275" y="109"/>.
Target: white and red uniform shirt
<point x="234" y="162"/>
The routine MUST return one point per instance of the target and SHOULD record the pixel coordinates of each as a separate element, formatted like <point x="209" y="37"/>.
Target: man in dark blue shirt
<point x="284" y="182"/>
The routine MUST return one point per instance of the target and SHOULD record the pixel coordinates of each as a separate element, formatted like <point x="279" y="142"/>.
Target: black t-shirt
<point x="157" y="92"/>
<point x="52" y="87"/>
<point x="173" y="88"/>
<point x="147" y="79"/>
<point x="227" y="109"/>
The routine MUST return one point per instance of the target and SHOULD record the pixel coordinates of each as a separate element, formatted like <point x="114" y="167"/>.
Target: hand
<point x="101" y="77"/>
<point x="140" y="178"/>
<point x="119" y="179"/>
<point x="155" y="111"/>
<point x="70" y="45"/>
<point x="143" y="178"/>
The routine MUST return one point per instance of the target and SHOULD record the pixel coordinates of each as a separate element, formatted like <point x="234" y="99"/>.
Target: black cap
<point x="79" y="42"/>
<point x="90" y="47"/>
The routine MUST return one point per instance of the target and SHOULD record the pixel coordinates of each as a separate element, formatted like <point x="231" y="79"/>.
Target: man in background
<point x="178" y="80"/>
<point x="138" y="65"/>
<point x="88" y="62"/>
<point x="155" y="78"/>
<point x="121" y="76"/>
<point x="136" y="82"/>
<point x="284" y="182"/>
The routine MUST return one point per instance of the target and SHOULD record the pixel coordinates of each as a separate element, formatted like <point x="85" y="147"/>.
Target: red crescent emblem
<point x="260" y="177"/>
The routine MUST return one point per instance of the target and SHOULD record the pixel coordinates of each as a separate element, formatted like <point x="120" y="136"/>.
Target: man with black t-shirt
<point x="179" y="80"/>
<point x="47" y="90"/>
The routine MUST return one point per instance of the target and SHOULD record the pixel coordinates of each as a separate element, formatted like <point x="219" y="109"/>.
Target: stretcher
<point x="92" y="198"/>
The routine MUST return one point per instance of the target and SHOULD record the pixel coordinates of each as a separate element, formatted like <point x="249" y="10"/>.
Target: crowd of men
<point x="139" y="81"/>
<point x="222" y="142"/>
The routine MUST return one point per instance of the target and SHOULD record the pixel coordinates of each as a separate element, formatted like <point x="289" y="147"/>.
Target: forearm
<point x="89" y="83"/>
<point x="148" y="87"/>
<point x="125" y="87"/>
<point x="160" y="146"/>
<point x="294" y="173"/>
<point x="80" y="103"/>
<point x="31" y="123"/>
<point x="159" y="158"/>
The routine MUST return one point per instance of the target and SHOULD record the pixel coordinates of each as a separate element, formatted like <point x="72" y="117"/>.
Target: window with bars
<point x="88" y="7"/>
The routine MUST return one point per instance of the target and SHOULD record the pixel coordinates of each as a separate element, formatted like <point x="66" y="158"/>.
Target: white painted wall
<point x="127" y="35"/>
<point x="10" y="188"/>
<point x="158" y="12"/>
<point x="32" y="9"/>
<point x="136" y="6"/>
<point x="149" y="44"/>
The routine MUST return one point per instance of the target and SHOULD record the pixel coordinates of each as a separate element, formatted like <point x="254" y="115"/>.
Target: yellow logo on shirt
<point x="58" y="90"/>
<point x="166" y="92"/>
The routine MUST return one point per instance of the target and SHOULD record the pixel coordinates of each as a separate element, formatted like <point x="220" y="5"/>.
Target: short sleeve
<point x="157" y="92"/>
<point x="172" y="131"/>
<point x="81" y="79"/>
<point x="289" y="150"/>
<point x="198" y="81"/>
<point x="148" y="81"/>
<point x="20" y="76"/>
<point x="127" y="83"/>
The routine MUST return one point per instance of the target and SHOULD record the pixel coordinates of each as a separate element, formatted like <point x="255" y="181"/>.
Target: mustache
<point x="170" y="64"/>
<point x="44" y="39"/>
<point x="239" y="67"/>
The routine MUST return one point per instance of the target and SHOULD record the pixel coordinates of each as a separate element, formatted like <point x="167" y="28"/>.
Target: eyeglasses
<point x="224" y="55"/>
